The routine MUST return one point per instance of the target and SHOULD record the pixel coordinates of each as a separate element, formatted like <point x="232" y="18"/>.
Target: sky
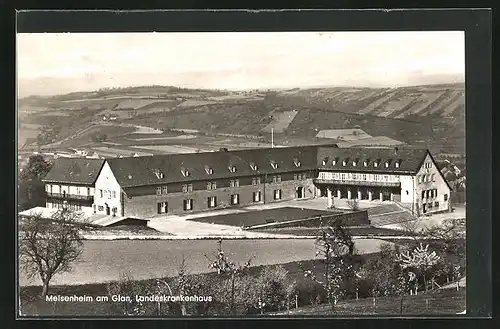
<point x="65" y="62"/>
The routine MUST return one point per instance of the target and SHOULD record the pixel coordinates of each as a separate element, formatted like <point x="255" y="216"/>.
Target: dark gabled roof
<point x="139" y="171"/>
<point x="75" y="171"/>
<point x="409" y="159"/>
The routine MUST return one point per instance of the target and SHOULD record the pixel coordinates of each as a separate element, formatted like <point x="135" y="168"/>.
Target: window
<point x="235" y="199"/>
<point x="423" y="194"/>
<point x="253" y="166"/>
<point x="277" y="194"/>
<point x="295" y="177"/>
<point x="342" y="176"/>
<point x="446" y="197"/>
<point x="387" y="164"/>
<point x="184" y="172"/>
<point x="344" y="163"/>
<point x="88" y="191"/>
<point x="364" y="176"/>
<point x="47" y="189"/>
<point x="375" y="164"/>
<point x="211" y="186"/>
<point x="334" y="162"/>
<point x="354" y="163"/>
<point x="256" y="196"/>
<point x="354" y="176"/>
<point x="296" y="162"/>
<point x="436" y="204"/>
<point x="184" y="188"/>
<point x="109" y="194"/>
<point x="159" y="174"/>
<point x="255" y="180"/>
<point x="113" y="193"/>
<point x="398" y="163"/>
<point x="102" y="194"/>
<point x="407" y="192"/>
<point x="212" y="201"/>
<point x="165" y="190"/>
<point x="190" y="188"/>
<point x="365" y="163"/>
<point x="101" y="208"/>
<point x="234" y="183"/>
<point x="158" y="191"/>
<point x="162" y="207"/>
<point x="325" y="161"/>
<point x="277" y="179"/>
<point x="187" y="204"/>
<point x="386" y="177"/>
<point x="231" y="168"/>
<point x="274" y="164"/>
<point x="78" y="191"/>
<point x="433" y="178"/>
<point x="209" y="170"/>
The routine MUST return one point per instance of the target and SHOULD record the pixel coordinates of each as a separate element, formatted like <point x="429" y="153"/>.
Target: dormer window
<point x="274" y="164"/>
<point x="375" y="163"/>
<point x="296" y="162"/>
<point x="398" y="163"/>
<point x="231" y="168"/>
<point x="185" y="172"/>
<point x="354" y="163"/>
<point x="344" y="163"/>
<point x="334" y="162"/>
<point x="159" y="174"/>
<point x="387" y="164"/>
<point x="325" y="161"/>
<point x="365" y="163"/>
<point x="209" y="170"/>
<point x="253" y="166"/>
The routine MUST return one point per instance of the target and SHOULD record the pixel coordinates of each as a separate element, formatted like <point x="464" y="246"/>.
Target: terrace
<point x="70" y="196"/>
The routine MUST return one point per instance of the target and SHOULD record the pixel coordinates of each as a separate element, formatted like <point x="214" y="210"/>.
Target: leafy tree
<point x="336" y="249"/>
<point x="274" y="288"/>
<point x="449" y="236"/>
<point x="36" y="169"/>
<point x="386" y="276"/>
<point x="49" y="247"/>
<point x="231" y="270"/>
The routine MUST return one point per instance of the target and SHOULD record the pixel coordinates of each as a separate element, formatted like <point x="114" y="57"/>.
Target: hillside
<point x="432" y="115"/>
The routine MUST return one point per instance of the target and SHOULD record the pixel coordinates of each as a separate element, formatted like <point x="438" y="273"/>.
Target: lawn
<point x="266" y="216"/>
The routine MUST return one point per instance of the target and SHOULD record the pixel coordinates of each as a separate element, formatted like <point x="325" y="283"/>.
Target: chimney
<point x="223" y="149"/>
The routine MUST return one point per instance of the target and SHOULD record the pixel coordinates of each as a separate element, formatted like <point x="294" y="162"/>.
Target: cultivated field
<point x="433" y="116"/>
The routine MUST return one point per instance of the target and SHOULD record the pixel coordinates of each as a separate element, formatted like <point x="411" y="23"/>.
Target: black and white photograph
<point x="245" y="174"/>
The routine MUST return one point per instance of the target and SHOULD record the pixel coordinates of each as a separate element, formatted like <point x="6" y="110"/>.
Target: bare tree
<point x="225" y="266"/>
<point x="49" y="247"/>
<point x="336" y="249"/>
<point x="353" y="204"/>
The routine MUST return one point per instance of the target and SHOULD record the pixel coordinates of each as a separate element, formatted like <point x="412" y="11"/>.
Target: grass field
<point x="444" y="302"/>
<point x="260" y="217"/>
